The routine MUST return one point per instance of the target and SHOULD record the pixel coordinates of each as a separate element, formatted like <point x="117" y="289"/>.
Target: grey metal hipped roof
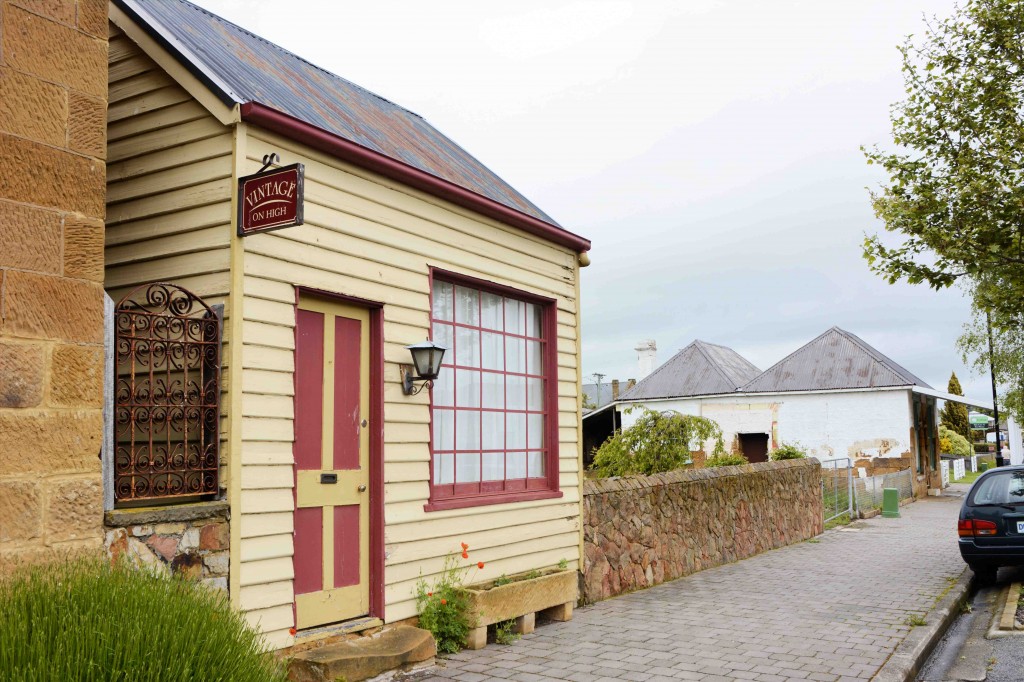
<point x="700" y="368"/>
<point x="835" y="360"/>
<point x="240" y="67"/>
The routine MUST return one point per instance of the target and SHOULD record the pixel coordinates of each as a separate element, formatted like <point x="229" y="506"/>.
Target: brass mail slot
<point x="328" y="478"/>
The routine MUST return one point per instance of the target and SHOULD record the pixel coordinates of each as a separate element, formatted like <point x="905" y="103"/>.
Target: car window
<point x="1005" y="488"/>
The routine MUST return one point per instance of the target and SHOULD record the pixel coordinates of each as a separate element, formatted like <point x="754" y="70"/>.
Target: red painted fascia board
<point x="300" y="131"/>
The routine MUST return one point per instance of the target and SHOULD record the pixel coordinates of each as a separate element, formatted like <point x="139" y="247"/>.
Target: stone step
<point x="399" y="648"/>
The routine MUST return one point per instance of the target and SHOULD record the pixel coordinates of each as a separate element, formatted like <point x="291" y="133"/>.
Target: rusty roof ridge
<point x="876" y="355"/>
<point x="293" y="54"/>
<point x="151" y="25"/>
<point x="636" y="387"/>
<point x="721" y="372"/>
<point x="285" y="124"/>
<point x="744" y="387"/>
<point x="883" y="359"/>
<point x="538" y="209"/>
<point x="733" y="351"/>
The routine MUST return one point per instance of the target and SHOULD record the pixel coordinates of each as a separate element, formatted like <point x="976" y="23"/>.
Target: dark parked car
<point x="991" y="526"/>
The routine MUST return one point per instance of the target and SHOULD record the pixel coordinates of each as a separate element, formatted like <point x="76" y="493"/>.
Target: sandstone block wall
<point x="643" y="530"/>
<point x="53" y="99"/>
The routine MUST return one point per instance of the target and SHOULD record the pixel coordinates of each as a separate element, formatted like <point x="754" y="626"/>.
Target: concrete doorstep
<point x="905" y="662"/>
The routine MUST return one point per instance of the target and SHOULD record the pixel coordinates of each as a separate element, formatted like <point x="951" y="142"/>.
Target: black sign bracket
<point x="268" y="161"/>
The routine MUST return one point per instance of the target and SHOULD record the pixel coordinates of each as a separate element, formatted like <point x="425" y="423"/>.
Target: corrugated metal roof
<point x="598" y="397"/>
<point x="700" y="368"/>
<point x="246" y="68"/>
<point x="835" y="360"/>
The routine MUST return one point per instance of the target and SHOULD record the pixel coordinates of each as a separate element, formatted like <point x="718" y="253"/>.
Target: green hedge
<point x="88" y="621"/>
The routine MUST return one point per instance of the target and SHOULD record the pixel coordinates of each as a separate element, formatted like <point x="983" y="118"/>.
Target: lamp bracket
<point x="409" y="377"/>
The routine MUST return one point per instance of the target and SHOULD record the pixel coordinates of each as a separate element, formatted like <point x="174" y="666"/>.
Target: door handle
<point x="361" y="488"/>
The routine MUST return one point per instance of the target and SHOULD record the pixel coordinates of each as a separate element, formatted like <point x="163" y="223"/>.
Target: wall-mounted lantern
<point x="426" y="365"/>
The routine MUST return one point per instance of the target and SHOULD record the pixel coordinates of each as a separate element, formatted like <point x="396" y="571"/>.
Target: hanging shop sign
<point x="270" y="200"/>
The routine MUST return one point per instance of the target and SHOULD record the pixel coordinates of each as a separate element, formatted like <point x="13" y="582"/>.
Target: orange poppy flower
<point x="443" y="602"/>
<point x="292" y="631"/>
<point x="430" y="594"/>
<point x="465" y="555"/>
<point x="464" y="547"/>
<point x="479" y="564"/>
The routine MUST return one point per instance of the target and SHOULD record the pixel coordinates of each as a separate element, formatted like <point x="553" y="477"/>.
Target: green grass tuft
<point x="841" y="520"/>
<point x="84" y="620"/>
<point x="970" y="477"/>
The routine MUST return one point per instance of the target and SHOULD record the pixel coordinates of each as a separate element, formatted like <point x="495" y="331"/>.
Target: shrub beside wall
<point x="643" y="530"/>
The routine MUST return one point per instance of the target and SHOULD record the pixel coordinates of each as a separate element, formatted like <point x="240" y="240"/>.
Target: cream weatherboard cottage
<point x="343" y="491"/>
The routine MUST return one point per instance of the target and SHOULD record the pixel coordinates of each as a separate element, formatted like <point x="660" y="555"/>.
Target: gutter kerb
<point x="905" y="662"/>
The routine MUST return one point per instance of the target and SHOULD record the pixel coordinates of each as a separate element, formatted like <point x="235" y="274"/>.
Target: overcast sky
<point x="709" y="149"/>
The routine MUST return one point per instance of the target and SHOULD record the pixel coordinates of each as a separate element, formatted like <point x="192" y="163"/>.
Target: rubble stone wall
<point x="189" y="540"/>
<point x="53" y="100"/>
<point x="643" y="530"/>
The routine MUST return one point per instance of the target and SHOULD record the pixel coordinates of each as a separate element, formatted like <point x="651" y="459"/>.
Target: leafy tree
<point x="954" y="415"/>
<point x="955" y="190"/>
<point x="1007" y="355"/>
<point x="656" y="442"/>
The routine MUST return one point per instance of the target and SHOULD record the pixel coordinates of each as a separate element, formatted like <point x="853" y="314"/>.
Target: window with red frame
<point x="490" y="402"/>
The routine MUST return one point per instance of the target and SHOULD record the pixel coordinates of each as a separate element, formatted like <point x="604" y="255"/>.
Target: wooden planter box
<point x="553" y="592"/>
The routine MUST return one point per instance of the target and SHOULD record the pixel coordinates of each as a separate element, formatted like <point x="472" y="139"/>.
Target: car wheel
<point x="985" y="575"/>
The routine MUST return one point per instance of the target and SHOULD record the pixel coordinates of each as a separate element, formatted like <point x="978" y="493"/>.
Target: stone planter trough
<point x="552" y="592"/>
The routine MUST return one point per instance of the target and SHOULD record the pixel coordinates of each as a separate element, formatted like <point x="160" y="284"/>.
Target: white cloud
<point x="709" y="148"/>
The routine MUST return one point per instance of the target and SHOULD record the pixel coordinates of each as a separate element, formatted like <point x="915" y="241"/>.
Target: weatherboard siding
<point x="168" y="189"/>
<point x="368" y="237"/>
<point x="168" y="181"/>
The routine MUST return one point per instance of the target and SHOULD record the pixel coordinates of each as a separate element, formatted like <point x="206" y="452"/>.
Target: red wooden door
<point x="332" y="458"/>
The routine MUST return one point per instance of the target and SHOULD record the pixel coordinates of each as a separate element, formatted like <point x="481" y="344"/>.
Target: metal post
<point x="849" y="488"/>
<point x="995" y="403"/>
<point x="107" y="456"/>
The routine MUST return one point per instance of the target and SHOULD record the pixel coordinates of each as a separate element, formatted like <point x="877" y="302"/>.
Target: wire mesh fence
<point x="867" y="491"/>
<point x="837" y="488"/>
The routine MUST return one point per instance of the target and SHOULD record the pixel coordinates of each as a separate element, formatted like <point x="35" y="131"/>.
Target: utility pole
<point x="995" y="403"/>
<point x="598" y="377"/>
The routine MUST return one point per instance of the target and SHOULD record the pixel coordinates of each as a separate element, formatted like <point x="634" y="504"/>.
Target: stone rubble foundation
<point x="191" y="541"/>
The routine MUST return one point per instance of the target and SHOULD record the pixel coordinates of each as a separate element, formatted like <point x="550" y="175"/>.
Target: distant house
<point x="596" y="396"/>
<point x="702" y="370"/>
<point x="837" y="396"/>
<point x="599" y="396"/>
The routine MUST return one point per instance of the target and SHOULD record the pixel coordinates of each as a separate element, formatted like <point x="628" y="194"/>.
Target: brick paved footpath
<point x="834" y="609"/>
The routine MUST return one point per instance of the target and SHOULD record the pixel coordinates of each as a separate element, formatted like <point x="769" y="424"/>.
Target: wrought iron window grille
<point x="166" y="395"/>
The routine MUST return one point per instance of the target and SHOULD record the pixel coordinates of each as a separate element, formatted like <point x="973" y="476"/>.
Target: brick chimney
<point x="647" y="356"/>
<point x="615" y="389"/>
